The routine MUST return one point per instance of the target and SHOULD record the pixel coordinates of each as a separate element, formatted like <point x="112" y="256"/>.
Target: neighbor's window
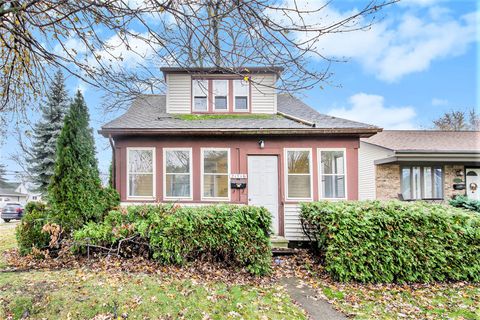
<point x="215" y="173"/>
<point x="220" y="94"/>
<point x="332" y="174"/>
<point x="299" y="174"/>
<point x="177" y="173"/>
<point x="141" y="167"/>
<point x="200" y="95"/>
<point x="422" y="182"/>
<point x="241" y="89"/>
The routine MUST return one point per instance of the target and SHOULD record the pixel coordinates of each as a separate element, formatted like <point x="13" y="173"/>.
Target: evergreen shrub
<point x="236" y="235"/>
<point x="393" y="241"/>
<point x="29" y="232"/>
<point x="465" y="203"/>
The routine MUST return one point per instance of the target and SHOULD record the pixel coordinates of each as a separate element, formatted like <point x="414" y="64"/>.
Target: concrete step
<point x="278" y="242"/>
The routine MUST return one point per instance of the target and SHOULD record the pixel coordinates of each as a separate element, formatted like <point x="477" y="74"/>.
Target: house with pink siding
<point x="227" y="136"/>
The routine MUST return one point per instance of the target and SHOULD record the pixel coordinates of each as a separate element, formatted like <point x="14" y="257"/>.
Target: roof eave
<point x="361" y="132"/>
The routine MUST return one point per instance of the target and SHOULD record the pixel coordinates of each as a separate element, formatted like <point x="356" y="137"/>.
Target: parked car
<point x="12" y="211"/>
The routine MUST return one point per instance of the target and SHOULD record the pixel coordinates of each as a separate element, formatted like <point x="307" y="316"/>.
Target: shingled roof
<point x="148" y="113"/>
<point x="427" y="140"/>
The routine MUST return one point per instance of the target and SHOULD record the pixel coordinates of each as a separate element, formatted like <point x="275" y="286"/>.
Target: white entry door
<point x="472" y="182"/>
<point x="263" y="185"/>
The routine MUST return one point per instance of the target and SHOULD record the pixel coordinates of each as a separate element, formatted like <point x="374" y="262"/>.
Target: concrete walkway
<point x="306" y="297"/>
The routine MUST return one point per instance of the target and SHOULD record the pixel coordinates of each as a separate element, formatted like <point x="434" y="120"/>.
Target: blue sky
<point x="419" y="61"/>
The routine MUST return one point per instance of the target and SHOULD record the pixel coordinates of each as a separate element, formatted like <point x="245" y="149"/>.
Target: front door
<point x="472" y="182"/>
<point x="263" y="185"/>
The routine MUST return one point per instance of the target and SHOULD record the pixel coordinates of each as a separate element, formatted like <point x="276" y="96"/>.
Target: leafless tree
<point x="119" y="45"/>
<point x="458" y="121"/>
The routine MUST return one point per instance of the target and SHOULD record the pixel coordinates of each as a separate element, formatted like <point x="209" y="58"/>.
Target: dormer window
<point x="200" y="95"/>
<point x="241" y="91"/>
<point x="220" y="95"/>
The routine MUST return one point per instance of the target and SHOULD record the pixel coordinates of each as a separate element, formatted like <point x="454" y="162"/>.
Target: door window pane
<point x="177" y="173"/>
<point x="215" y="173"/>
<point x="140" y="172"/>
<point x="298" y="174"/>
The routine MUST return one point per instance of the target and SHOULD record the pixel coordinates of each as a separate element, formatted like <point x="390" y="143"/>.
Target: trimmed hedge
<point x="465" y="203"/>
<point x="237" y="235"/>
<point x="29" y="232"/>
<point x="372" y="241"/>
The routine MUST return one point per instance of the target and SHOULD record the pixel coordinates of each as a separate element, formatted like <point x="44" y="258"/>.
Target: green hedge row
<point x="238" y="235"/>
<point x="395" y="241"/>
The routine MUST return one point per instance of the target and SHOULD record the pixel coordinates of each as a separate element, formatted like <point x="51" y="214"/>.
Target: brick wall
<point x="448" y="176"/>
<point x="388" y="181"/>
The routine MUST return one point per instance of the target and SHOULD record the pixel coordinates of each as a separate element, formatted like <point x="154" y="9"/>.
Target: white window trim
<point x="213" y="95"/>
<point x="286" y="150"/>
<point x="193" y="96"/>
<point x="320" y="173"/>
<point x="202" y="151"/>
<point x="190" y="167"/>
<point x="234" y="96"/>
<point x="154" y="174"/>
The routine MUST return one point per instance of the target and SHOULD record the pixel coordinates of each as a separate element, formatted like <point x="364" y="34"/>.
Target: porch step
<point x="278" y="242"/>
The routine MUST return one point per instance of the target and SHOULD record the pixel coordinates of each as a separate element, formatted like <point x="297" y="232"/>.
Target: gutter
<point x="363" y="133"/>
<point x="288" y="116"/>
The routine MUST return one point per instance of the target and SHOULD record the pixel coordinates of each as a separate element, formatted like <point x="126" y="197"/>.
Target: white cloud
<point x="436" y="102"/>
<point x="404" y="42"/>
<point x="370" y="108"/>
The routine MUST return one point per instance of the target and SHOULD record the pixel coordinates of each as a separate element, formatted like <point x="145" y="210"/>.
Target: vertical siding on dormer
<point x="179" y="95"/>
<point x="263" y="94"/>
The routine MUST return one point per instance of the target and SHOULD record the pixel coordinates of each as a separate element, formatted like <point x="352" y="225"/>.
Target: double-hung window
<point x="332" y="174"/>
<point x="241" y="90"/>
<point x="424" y="182"/>
<point x="200" y="95"/>
<point x="299" y="173"/>
<point x="141" y="172"/>
<point x="177" y="168"/>
<point x="220" y="95"/>
<point x="215" y="174"/>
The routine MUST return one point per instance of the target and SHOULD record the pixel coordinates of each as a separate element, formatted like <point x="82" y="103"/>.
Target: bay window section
<point x="241" y="90"/>
<point x="200" y="95"/>
<point x="299" y="174"/>
<point x="422" y="182"/>
<point x="141" y="172"/>
<point x="220" y="95"/>
<point x="332" y="174"/>
<point x="215" y="174"/>
<point x="177" y="173"/>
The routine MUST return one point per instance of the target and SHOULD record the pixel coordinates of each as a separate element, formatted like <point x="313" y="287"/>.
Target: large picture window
<point x="332" y="174"/>
<point x="141" y="172"/>
<point x="422" y="182"/>
<point x="220" y="95"/>
<point x="215" y="173"/>
<point x="177" y="173"/>
<point x="241" y="90"/>
<point x="299" y="173"/>
<point x="200" y="95"/>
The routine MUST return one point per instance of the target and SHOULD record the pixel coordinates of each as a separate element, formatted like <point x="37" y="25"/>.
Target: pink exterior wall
<point x="240" y="148"/>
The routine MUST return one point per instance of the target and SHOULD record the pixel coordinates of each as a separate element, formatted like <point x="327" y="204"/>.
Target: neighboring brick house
<point x="420" y="164"/>
<point x="228" y="137"/>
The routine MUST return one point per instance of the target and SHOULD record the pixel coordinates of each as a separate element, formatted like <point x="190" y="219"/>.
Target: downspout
<point x="288" y="116"/>
<point x="112" y="144"/>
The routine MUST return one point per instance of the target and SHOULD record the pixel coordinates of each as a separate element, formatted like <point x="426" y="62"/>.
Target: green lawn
<point x="112" y="294"/>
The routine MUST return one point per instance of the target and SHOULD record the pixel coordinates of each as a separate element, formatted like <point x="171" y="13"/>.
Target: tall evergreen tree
<point x="75" y="191"/>
<point x="46" y="132"/>
<point x="3" y="180"/>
